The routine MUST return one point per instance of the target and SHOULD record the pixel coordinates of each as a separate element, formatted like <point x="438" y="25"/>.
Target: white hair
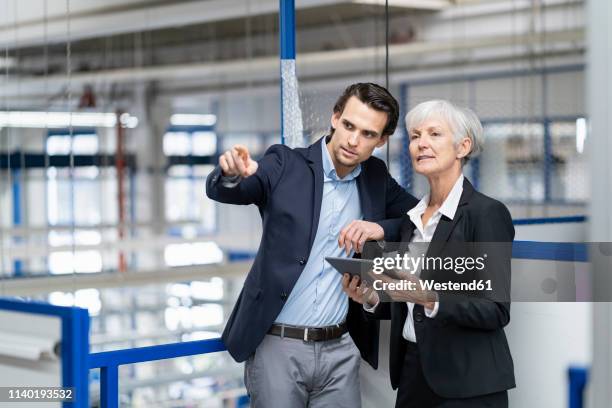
<point x="462" y="121"/>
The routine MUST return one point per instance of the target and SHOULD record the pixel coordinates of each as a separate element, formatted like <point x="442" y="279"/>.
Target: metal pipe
<point x="120" y="166"/>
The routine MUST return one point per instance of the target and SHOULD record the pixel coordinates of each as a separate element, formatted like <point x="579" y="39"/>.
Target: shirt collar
<point x="448" y="207"/>
<point x="330" y="171"/>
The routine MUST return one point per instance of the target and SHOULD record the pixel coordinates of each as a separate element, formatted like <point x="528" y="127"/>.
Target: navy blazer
<point x="287" y="188"/>
<point x="464" y="348"/>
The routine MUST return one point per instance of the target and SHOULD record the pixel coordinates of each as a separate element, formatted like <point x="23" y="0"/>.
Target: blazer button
<point x="418" y="316"/>
<point x="302" y="261"/>
<point x="284" y="296"/>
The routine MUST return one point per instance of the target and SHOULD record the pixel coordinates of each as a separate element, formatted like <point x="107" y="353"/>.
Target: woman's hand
<point x="416" y="294"/>
<point x="359" y="291"/>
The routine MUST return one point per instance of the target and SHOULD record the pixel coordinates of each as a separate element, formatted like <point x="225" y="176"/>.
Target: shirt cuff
<point x="230" y="181"/>
<point x="432" y="313"/>
<point x="370" y="309"/>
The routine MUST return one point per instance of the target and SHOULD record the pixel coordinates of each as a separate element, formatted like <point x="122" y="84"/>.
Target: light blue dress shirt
<point x="317" y="298"/>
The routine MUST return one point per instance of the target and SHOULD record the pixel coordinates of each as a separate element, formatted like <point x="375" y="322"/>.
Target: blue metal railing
<point x="74" y="346"/>
<point x="109" y="361"/>
<point x="578" y="377"/>
<point x="550" y="251"/>
<point x="550" y="220"/>
<point x="75" y="328"/>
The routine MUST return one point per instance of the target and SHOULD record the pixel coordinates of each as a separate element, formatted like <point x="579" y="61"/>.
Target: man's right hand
<point x="237" y="162"/>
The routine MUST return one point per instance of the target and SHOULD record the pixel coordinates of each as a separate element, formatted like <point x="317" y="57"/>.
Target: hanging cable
<point x="9" y="156"/>
<point x="387" y="44"/>
<point x="9" y="133"/>
<point x="24" y="239"/>
<point x="3" y="270"/>
<point x="387" y="62"/>
<point x="46" y="133"/>
<point x="71" y="133"/>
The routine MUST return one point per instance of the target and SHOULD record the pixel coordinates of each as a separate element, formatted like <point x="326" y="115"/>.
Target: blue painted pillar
<point x="109" y="386"/>
<point x="287" y="29"/>
<point x="75" y="351"/>
<point x="475" y="172"/>
<point x="17" y="218"/>
<point x="405" y="163"/>
<point x="475" y="163"/>
<point x="287" y="47"/>
<point x="548" y="162"/>
<point x="548" y="154"/>
<point x="578" y="378"/>
<point x="133" y="229"/>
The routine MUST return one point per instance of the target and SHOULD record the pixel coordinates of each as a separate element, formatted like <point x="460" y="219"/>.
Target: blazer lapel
<point x="315" y="162"/>
<point x="406" y="232"/>
<point x="365" y="198"/>
<point x="446" y="225"/>
<point x="443" y="231"/>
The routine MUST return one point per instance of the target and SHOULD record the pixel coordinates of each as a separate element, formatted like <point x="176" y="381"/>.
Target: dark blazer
<point x="464" y="351"/>
<point x="287" y="188"/>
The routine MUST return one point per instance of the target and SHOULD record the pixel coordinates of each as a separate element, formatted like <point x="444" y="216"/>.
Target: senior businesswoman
<point x="448" y="349"/>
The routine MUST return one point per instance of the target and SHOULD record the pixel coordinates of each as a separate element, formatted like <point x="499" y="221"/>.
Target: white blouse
<point x="425" y="234"/>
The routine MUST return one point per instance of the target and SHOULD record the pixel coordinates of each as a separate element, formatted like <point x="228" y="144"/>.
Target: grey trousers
<point x="291" y="373"/>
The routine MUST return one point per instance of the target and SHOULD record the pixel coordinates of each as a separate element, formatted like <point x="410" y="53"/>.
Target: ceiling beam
<point x="316" y="63"/>
<point x="410" y="4"/>
<point x="135" y="16"/>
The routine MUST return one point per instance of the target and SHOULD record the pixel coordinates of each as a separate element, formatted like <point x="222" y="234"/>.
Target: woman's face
<point x="432" y="148"/>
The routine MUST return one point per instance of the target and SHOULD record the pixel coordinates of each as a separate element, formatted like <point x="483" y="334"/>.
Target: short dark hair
<point x="376" y="97"/>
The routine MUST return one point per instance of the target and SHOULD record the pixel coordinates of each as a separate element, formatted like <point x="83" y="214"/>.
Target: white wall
<point x="19" y="372"/>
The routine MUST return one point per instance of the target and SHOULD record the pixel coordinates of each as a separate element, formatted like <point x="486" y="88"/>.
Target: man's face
<point x="358" y="131"/>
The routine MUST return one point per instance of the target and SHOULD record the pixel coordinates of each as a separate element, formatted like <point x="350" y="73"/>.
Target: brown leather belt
<point x="309" y="333"/>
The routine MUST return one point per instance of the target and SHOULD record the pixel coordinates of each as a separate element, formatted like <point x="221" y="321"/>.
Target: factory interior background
<point x="113" y="113"/>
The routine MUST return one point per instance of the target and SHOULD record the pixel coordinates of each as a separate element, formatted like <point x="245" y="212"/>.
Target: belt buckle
<point x="306" y="334"/>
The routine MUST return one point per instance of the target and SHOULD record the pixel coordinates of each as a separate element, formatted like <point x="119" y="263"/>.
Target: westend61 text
<point x="476" y="285"/>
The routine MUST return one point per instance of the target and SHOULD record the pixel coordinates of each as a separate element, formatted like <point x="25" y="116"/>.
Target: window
<point x="187" y="208"/>
<point x="81" y="143"/>
<point x="78" y="197"/>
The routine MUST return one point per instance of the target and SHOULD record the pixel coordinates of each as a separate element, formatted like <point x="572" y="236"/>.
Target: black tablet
<point x="352" y="266"/>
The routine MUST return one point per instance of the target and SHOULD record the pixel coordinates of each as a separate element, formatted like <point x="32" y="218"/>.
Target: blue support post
<point x="548" y="161"/>
<point x="133" y="230"/>
<point x="405" y="163"/>
<point x="75" y="349"/>
<point x="216" y="204"/>
<point x="476" y="172"/>
<point x="578" y="378"/>
<point x="18" y="264"/>
<point x="476" y="161"/>
<point x="109" y="386"/>
<point x="287" y="29"/>
<point x="287" y="46"/>
<point x="548" y="155"/>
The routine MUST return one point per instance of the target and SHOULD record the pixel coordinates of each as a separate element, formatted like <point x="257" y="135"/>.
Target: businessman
<point x="300" y="335"/>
